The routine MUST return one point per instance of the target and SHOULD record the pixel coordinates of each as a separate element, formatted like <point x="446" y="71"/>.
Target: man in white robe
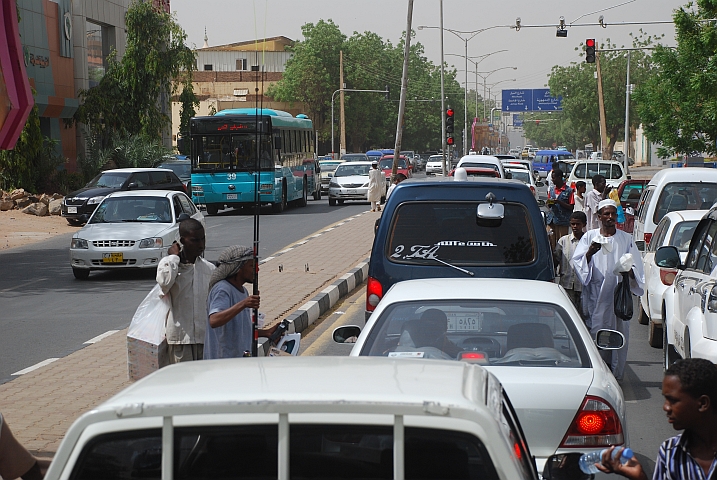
<point x="595" y="259"/>
<point x="376" y="186"/>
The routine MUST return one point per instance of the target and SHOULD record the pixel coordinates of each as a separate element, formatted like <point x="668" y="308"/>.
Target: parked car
<point x="129" y="230"/>
<point x="585" y="170"/>
<point x="443" y="229"/>
<point x="366" y="418"/>
<point x="350" y="182"/>
<point x="536" y="343"/>
<point x="690" y="326"/>
<point x="183" y="169"/>
<point x="669" y="190"/>
<point x="434" y="166"/>
<point x="675" y="228"/>
<point x="328" y="167"/>
<point x="544" y="159"/>
<point x="524" y="175"/>
<point x="79" y="205"/>
<point x="482" y="161"/>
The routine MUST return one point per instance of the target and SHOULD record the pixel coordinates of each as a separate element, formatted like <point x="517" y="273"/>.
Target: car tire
<point x="81" y="273"/>
<point x="341" y="202"/>
<point x="317" y="192"/>
<point x="644" y="319"/>
<point x="304" y="200"/>
<point x="278" y="207"/>
<point x="332" y="202"/>
<point x="654" y="335"/>
<point x="73" y="222"/>
<point x="212" y="209"/>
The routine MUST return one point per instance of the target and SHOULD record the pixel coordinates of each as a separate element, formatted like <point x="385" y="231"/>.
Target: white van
<point x="483" y="161"/>
<point x="585" y="170"/>
<point x="304" y="417"/>
<point x="670" y="190"/>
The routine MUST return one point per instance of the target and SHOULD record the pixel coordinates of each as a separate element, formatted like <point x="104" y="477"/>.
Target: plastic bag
<point x="150" y="318"/>
<point x="624" y="264"/>
<point x="623" y="298"/>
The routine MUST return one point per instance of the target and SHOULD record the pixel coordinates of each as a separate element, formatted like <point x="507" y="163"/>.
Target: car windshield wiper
<point x="467" y="272"/>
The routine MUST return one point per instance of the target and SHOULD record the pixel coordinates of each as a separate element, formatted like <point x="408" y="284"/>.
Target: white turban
<point x="608" y="202"/>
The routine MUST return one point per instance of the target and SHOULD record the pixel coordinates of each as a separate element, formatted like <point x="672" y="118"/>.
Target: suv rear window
<point x="611" y="171"/>
<point x="685" y="196"/>
<point x="425" y="231"/>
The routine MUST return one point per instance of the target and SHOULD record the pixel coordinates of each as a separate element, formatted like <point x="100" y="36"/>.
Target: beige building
<point x="230" y="76"/>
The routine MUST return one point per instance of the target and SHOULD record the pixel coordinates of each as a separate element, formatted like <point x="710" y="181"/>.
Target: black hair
<point x="698" y="377"/>
<point x="579" y="216"/>
<point x="597" y="178"/>
<point x="401" y="176"/>
<point x="558" y="171"/>
<point x="579" y="184"/>
<point x="188" y="226"/>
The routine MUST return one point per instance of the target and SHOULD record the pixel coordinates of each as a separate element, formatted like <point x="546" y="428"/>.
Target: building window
<point x="95" y="57"/>
<point x="255" y="68"/>
<point x="208" y="67"/>
<point x="241" y="64"/>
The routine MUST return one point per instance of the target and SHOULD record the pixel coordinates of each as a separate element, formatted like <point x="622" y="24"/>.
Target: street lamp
<point x="468" y="37"/>
<point x="485" y="77"/>
<point x="475" y="64"/>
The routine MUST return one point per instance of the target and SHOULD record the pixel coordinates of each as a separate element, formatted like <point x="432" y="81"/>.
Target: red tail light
<point x="532" y="189"/>
<point x="374" y="294"/>
<point x="648" y="237"/>
<point x="595" y="425"/>
<point x="667" y="276"/>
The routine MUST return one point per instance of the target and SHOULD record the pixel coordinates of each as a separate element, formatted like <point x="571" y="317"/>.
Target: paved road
<point x="49" y="314"/>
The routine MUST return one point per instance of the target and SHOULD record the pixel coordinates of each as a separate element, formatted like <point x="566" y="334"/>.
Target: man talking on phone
<point x="185" y="275"/>
<point x="600" y="258"/>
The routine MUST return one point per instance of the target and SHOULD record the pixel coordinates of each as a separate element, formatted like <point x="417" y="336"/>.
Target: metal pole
<point x="402" y="101"/>
<point x="483" y="94"/>
<point x="443" y="101"/>
<point x="465" y="104"/>
<point x="626" y="147"/>
<point x="332" y="123"/>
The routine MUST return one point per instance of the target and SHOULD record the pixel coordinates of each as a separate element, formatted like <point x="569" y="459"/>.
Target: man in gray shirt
<point x="229" y="306"/>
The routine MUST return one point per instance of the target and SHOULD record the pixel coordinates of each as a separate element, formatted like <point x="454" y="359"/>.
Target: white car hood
<point x="124" y="231"/>
<point x="360" y="179"/>
<point x="546" y="400"/>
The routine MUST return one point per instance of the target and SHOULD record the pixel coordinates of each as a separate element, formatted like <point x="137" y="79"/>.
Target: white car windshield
<point x="351" y="170"/>
<point x="108" y="180"/>
<point x="133" y="209"/>
<point x="507" y="333"/>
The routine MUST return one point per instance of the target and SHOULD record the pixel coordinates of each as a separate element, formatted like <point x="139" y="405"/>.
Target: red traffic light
<point x="449" y="112"/>
<point x="449" y="141"/>
<point x="590" y="42"/>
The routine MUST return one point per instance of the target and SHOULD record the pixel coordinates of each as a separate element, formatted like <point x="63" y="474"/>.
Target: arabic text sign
<point x="517" y="100"/>
<point x="542" y="100"/>
<point x="517" y="121"/>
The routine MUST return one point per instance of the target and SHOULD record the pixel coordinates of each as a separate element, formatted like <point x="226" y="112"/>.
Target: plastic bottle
<point x="588" y="460"/>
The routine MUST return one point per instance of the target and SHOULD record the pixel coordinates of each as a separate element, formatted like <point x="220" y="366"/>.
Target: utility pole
<point x="601" y="106"/>
<point x="402" y="101"/>
<point x="342" y="142"/>
<point x="443" y="102"/>
<point x="626" y="148"/>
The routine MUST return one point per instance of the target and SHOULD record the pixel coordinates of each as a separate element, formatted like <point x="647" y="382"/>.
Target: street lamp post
<point x="475" y="64"/>
<point x="469" y="36"/>
<point x="485" y="77"/>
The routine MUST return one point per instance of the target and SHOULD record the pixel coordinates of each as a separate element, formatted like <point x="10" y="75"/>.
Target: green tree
<point x="189" y="104"/>
<point x="127" y="99"/>
<point x="677" y="103"/>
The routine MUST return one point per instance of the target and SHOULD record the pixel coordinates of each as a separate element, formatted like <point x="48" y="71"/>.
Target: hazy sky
<point x="533" y="50"/>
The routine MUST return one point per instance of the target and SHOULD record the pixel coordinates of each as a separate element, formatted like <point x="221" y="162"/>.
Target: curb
<point x="309" y="312"/>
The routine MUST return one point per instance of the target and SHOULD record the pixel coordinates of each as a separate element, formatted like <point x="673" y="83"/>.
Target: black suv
<point x="78" y="206"/>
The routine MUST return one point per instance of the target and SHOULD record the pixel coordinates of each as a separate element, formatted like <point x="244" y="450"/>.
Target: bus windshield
<point x="231" y="152"/>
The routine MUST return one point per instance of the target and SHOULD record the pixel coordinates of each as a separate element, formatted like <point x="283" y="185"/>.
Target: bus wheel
<point x="212" y="209"/>
<point x="304" y="200"/>
<point x="278" y="207"/>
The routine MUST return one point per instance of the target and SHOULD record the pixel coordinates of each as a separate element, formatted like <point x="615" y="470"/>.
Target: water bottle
<point x="588" y="460"/>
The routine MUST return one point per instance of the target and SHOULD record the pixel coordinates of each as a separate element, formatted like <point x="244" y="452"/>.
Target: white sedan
<point x="130" y="229"/>
<point x="675" y="229"/>
<point x="566" y="398"/>
<point x="350" y="182"/>
<point x="525" y="176"/>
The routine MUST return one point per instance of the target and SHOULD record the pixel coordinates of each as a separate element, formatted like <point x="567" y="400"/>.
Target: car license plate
<point x="352" y="192"/>
<point x="459" y="322"/>
<point x="231" y="196"/>
<point x="112" y="258"/>
<point x="71" y="209"/>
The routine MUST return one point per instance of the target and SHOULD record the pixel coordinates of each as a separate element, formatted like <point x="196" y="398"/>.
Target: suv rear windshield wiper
<point x="467" y="272"/>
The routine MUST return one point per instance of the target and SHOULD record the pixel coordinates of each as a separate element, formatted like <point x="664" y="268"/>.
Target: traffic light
<point x="449" y="120"/>
<point x="449" y="140"/>
<point x="590" y="50"/>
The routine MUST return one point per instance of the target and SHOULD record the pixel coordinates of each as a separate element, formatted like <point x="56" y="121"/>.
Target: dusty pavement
<point x="18" y="229"/>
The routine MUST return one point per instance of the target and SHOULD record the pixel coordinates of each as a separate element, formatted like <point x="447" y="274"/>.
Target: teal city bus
<point x="224" y="152"/>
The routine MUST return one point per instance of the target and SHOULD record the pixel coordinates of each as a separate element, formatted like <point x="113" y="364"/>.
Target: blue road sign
<point x="517" y="100"/>
<point x="517" y="121"/>
<point x="542" y="100"/>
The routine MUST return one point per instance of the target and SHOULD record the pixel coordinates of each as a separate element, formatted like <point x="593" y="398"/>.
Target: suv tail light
<point x="667" y="275"/>
<point x="648" y="237"/>
<point x="374" y="293"/>
<point x="595" y="425"/>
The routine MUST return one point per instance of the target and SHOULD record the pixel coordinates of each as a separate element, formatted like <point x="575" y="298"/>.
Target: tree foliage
<point x="579" y="122"/>
<point x="370" y="63"/>
<point x="677" y="103"/>
<point x="128" y="99"/>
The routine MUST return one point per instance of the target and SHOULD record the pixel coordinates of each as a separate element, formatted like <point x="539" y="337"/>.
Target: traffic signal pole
<point x="443" y="102"/>
<point x="402" y="101"/>
<point x="601" y="106"/>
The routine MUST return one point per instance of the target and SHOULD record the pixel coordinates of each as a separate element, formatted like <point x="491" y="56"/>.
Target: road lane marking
<point x="285" y="251"/>
<point x="266" y="260"/>
<point x="36" y="366"/>
<point x="100" y="337"/>
<point x="22" y="285"/>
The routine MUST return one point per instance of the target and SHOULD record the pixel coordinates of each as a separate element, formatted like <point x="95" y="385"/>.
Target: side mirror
<point x="668" y="257"/>
<point x="132" y="185"/>
<point x="347" y="334"/>
<point x="640" y="244"/>
<point x="182" y="217"/>
<point x="609" y="339"/>
<point x="508" y="175"/>
<point x="539" y="184"/>
<point x="712" y="301"/>
<point x="565" y="466"/>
